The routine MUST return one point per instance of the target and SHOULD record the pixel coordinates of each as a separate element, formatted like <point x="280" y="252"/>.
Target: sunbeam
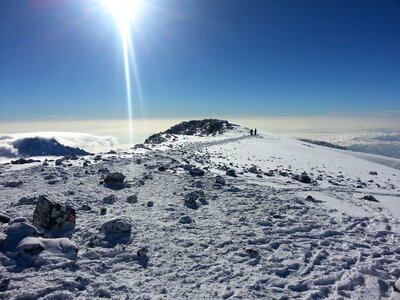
<point x="125" y="12"/>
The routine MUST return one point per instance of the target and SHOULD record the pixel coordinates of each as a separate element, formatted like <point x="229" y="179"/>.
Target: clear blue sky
<point x="201" y="57"/>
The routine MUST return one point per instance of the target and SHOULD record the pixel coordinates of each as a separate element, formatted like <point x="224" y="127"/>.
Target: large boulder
<point x="113" y="178"/>
<point x="52" y="215"/>
<point x="118" y="228"/>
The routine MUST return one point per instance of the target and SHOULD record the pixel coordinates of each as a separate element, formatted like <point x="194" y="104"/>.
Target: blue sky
<point x="63" y="58"/>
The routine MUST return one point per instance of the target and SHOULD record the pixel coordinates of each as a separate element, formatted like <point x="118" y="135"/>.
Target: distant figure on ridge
<point x="255" y="131"/>
<point x="251" y="132"/>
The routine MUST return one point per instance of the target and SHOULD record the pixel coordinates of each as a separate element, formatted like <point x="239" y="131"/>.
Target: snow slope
<point x="256" y="236"/>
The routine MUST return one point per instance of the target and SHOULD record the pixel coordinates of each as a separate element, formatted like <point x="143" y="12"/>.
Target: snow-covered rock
<point x="16" y="232"/>
<point x="117" y="228"/>
<point x="36" y="246"/>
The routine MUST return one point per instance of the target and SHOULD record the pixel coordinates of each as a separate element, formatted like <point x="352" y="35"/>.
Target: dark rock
<point x="373" y="173"/>
<point x="253" y="170"/>
<point x="252" y="253"/>
<point x="103" y="211"/>
<point x="52" y="215"/>
<point x="185" y="220"/>
<point x="269" y="173"/>
<point x="86" y="207"/>
<point x="142" y="252"/>
<point x="187" y="167"/>
<point x="370" y="198"/>
<point x="196" y="172"/>
<point x="27" y="201"/>
<point x="190" y="203"/>
<point x="150" y="204"/>
<point x="162" y="168"/>
<point x="303" y="178"/>
<point x="110" y="199"/>
<point x="12" y="184"/>
<point x="220" y="180"/>
<point x="312" y="199"/>
<point x="114" y="178"/>
<point x="4" y="284"/>
<point x="231" y="173"/>
<point x="4" y="218"/>
<point x="22" y="161"/>
<point x="132" y="199"/>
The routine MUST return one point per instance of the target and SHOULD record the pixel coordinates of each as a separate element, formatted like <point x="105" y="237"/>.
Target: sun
<point x="124" y="11"/>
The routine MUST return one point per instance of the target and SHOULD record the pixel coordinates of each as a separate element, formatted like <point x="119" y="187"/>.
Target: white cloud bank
<point x="85" y="141"/>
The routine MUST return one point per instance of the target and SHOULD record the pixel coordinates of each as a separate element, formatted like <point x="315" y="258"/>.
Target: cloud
<point x="88" y="142"/>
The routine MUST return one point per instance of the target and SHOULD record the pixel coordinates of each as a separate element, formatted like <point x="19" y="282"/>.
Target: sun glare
<point x="124" y="11"/>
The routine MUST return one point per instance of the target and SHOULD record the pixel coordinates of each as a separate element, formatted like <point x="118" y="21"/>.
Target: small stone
<point x="196" y="172"/>
<point x="253" y="170"/>
<point x="162" y="168"/>
<point x="370" y="198"/>
<point x="252" y="253"/>
<point x="12" y="184"/>
<point x="103" y="211"/>
<point x="305" y="178"/>
<point x="231" y="173"/>
<point x="187" y="167"/>
<point x="4" y="218"/>
<point x="191" y="203"/>
<point x="220" y="180"/>
<point x="110" y="199"/>
<point x="132" y="199"/>
<point x="4" y="284"/>
<point x="150" y="204"/>
<point x="86" y="207"/>
<point x="142" y="252"/>
<point x="185" y="220"/>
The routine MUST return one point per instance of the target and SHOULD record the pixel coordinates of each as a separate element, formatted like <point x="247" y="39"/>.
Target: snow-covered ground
<point x="272" y="232"/>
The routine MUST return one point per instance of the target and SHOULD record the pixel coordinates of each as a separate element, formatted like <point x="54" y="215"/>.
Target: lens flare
<point x="125" y="13"/>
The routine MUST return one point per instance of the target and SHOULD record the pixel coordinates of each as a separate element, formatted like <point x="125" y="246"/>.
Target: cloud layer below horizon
<point x="85" y="141"/>
<point x="373" y="132"/>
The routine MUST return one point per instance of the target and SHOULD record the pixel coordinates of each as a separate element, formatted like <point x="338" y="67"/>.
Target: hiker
<point x="255" y="131"/>
<point x="251" y="132"/>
